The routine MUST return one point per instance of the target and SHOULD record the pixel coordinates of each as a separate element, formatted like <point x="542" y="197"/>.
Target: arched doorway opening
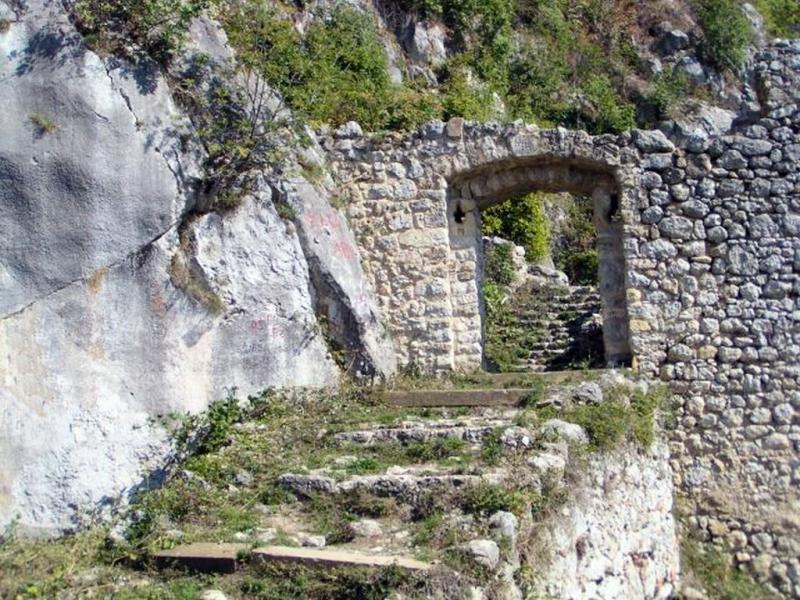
<point x="535" y="319"/>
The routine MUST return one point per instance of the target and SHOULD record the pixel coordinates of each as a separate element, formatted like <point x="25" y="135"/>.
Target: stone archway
<point x="400" y="195"/>
<point x="473" y="191"/>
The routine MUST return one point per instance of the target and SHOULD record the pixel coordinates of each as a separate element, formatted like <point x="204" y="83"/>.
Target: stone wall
<point x="709" y="255"/>
<point x="616" y="538"/>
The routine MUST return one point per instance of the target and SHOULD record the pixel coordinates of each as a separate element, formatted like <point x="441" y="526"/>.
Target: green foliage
<point x="713" y="569"/>
<point x="581" y="267"/>
<point x="577" y="257"/>
<point x="726" y="32"/>
<point x="486" y="499"/>
<point x="507" y="341"/>
<point x="285" y="211"/>
<point x="626" y="414"/>
<point x="569" y="68"/>
<point x="481" y="29"/>
<point x="781" y="17"/>
<point x="666" y="90"/>
<point x="43" y="124"/>
<point x="276" y="581"/>
<point x="522" y="221"/>
<point x="157" y="27"/>
<point x="435" y="450"/>
<point x="462" y="96"/>
<point x="608" y="113"/>
<point x="336" y="73"/>
<point x="492" y="448"/>
<point x="499" y="264"/>
<point x="605" y="423"/>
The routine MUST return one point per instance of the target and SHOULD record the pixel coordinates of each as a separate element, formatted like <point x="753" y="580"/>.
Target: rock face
<point x="117" y="302"/>
<point x="617" y="538"/>
<point x="90" y="159"/>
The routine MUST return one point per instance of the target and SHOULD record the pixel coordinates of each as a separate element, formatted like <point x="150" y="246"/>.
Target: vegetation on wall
<point x="781" y="17"/>
<point x="726" y="32"/>
<point x="156" y="27"/>
<point x="336" y="72"/>
<point x="710" y="569"/>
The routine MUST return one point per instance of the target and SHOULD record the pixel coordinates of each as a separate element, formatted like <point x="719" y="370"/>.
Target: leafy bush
<point x="522" y="221"/>
<point x="499" y="267"/>
<point x="726" y="32"/>
<point x="581" y="267"/>
<point x="781" y="17"/>
<point x="462" y="96"/>
<point x="609" y="114"/>
<point x="487" y="499"/>
<point x="577" y="256"/>
<point x="481" y="30"/>
<point x="338" y="72"/>
<point x="666" y="90"/>
<point x="157" y="27"/>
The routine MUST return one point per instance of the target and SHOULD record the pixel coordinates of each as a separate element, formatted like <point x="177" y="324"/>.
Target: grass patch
<point x="42" y="123"/>
<point x="781" y="17"/>
<point x="726" y="32"/>
<point x="486" y="499"/>
<point x="288" y="582"/>
<point x="714" y="571"/>
<point x="626" y="415"/>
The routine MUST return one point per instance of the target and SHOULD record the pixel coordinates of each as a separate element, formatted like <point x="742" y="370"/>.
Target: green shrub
<point x="781" y="17"/>
<point x="581" y="267"/>
<point x="610" y="114"/>
<point x="487" y="499"/>
<point x="481" y="29"/>
<point x="463" y="97"/>
<point x="499" y="264"/>
<point x="666" y="90"/>
<point x="522" y="221"/>
<point x="336" y="73"/>
<point x="577" y="257"/>
<point x="606" y="423"/>
<point x="717" y="575"/>
<point x="158" y="27"/>
<point x="726" y="32"/>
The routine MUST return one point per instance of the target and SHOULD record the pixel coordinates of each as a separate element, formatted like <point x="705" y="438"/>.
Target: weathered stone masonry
<point x="709" y="252"/>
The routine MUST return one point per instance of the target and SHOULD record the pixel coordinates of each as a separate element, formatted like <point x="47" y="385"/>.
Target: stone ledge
<point x="336" y="558"/>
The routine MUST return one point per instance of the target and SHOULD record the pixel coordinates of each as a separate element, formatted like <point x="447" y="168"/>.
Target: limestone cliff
<point x="121" y="300"/>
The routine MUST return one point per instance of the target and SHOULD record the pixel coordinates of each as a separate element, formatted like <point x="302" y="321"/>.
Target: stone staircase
<point x="470" y="423"/>
<point x="568" y="319"/>
<point x="445" y="491"/>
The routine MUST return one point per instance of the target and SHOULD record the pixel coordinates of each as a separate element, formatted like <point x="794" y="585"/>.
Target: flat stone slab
<point x="336" y="558"/>
<point x="434" y="398"/>
<point x="201" y="556"/>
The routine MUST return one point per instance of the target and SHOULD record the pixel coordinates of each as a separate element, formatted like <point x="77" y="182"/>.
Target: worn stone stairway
<point x="568" y="319"/>
<point x="444" y="488"/>
<point x="471" y="422"/>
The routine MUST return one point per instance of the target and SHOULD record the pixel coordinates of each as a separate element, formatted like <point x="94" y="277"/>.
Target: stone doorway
<point x="540" y="321"/>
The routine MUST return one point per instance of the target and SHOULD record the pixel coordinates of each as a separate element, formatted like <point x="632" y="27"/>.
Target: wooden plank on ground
<point x="336" y="558"/>
<point x="203" y="557"/>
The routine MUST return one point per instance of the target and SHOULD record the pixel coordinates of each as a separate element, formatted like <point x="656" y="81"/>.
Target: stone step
<point x="473" y="434"/>
<point x="404" y="483"/>
<point x="336" y="558"/>
<point x="465" y="398"/>
<point x="202" y="557"/>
